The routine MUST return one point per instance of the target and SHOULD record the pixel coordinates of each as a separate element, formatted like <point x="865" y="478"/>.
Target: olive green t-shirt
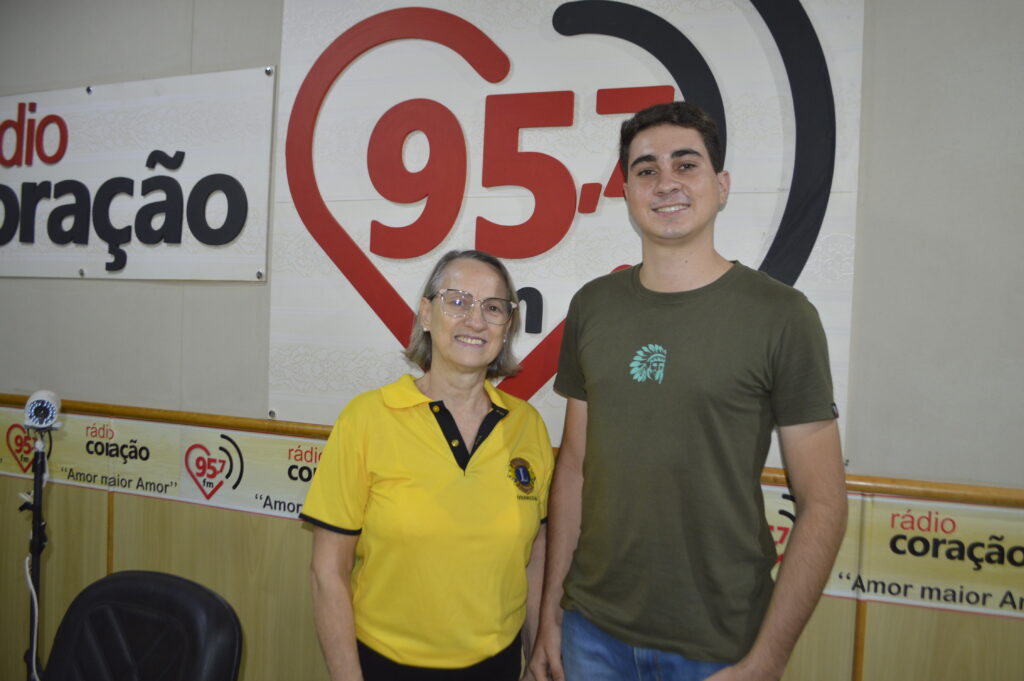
<point x="683" y="391"/>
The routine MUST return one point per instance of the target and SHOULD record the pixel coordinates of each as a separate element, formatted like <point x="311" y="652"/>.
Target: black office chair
<point x="146" y="626"/>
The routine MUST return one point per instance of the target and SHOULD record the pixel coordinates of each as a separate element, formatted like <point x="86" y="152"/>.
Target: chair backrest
<point x="146" y="626"/>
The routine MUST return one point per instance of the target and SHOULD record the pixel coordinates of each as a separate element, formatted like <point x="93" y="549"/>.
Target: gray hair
<point x="419" y="350"/>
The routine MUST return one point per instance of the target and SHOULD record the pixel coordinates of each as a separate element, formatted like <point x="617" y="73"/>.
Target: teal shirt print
<point x="648" y="363"/>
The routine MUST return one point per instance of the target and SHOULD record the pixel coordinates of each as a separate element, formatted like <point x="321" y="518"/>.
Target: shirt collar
<point x="403" y="394"/>
<point x="495" y="395"/>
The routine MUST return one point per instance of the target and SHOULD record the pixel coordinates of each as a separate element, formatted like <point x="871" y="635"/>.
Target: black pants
<point x="505" y="666"/>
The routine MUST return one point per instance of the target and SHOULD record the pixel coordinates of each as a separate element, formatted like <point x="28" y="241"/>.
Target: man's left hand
<point x="739" y="673"/>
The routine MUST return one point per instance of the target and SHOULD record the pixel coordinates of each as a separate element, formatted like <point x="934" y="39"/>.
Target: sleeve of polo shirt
<point x="569" y="379"/>
<point x="802" y="384"/>
<point x="337" y="495"/>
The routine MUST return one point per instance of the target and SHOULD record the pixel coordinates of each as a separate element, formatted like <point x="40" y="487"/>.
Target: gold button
<point x="436" y="408"/>
<point x="455" y="443"/>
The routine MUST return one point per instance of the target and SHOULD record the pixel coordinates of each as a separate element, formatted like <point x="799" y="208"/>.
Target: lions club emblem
<point x="520" y="473"/>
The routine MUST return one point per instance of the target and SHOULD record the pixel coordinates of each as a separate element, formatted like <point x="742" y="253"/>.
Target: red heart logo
<point x="208" y="472"/>
<point x="19" y="444"/>
<point x="410" y="23"/>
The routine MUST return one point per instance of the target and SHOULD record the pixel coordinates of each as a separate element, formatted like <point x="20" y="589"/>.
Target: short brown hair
<point x="683" y="114"/>
<point x="420" y="349"/>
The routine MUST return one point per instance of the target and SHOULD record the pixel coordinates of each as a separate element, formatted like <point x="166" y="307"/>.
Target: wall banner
<point x="404" y="132"/>
<point x="907" y="552"/>
<point x="238" y="470"/>
<point x="938" y="555"/>
<point x="156" y="179"/>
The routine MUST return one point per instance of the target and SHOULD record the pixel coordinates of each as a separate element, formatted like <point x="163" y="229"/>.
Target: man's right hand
<point x="563" y="533"/>
<point x="546" y="662"/>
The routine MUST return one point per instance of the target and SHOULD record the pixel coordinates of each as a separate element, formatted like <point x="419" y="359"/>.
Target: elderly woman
<point x="428" y="547"/>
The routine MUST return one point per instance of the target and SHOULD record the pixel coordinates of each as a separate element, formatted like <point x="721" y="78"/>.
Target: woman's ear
<point x="426" y="309"/>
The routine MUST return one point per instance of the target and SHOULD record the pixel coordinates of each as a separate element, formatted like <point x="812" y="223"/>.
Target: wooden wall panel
<point x="77" y="553"/>
<point x="904" y="643"/>
<point x="75" y="556"/>
<point x="259" y="564"/>
<point x="825" y="649"/>
<point x="14" y="533"/>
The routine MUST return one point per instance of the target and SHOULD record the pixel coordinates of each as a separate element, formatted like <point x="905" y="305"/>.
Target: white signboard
<point x="407" y="132"/>
<point x="156" y="179"/>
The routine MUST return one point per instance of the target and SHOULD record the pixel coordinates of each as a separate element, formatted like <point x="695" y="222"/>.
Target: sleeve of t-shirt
<point x="802" y="385"/>
<point x="340" y="487"/>
<point x="569" y="381"/>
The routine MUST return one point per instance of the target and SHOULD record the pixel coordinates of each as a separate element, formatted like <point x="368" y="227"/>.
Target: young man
<point x="676" y="372"/>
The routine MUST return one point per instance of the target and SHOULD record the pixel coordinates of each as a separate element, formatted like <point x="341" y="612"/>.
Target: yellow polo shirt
<point x="440" y="566"/>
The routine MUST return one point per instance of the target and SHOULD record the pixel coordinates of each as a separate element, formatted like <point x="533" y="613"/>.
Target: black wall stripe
<point x="809" y="81"/>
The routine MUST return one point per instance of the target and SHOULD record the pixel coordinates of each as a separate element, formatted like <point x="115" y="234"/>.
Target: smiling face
<point x="672" y="190"/>
<point x="468" y="343"/>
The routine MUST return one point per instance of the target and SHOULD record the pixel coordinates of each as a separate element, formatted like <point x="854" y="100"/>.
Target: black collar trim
<point x="451" y="432"/>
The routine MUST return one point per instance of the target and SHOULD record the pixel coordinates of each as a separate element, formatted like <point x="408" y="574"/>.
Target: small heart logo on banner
<point x="207" y="471"/>
<point x="19" y="444"/>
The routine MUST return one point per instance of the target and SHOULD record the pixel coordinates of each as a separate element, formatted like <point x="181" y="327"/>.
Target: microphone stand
<point x="36" y="545"/>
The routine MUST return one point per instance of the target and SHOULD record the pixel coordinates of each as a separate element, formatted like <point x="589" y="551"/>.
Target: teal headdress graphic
<point x="648" y="363"/>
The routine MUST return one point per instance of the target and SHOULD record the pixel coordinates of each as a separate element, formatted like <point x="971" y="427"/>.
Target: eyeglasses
<point x="458" y="304"/>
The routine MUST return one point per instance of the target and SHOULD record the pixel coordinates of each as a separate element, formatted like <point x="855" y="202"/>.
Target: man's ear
<point x="724" y="183"/>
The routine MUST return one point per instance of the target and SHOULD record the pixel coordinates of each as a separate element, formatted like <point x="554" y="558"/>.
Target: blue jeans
<point x="589" y="654"/>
